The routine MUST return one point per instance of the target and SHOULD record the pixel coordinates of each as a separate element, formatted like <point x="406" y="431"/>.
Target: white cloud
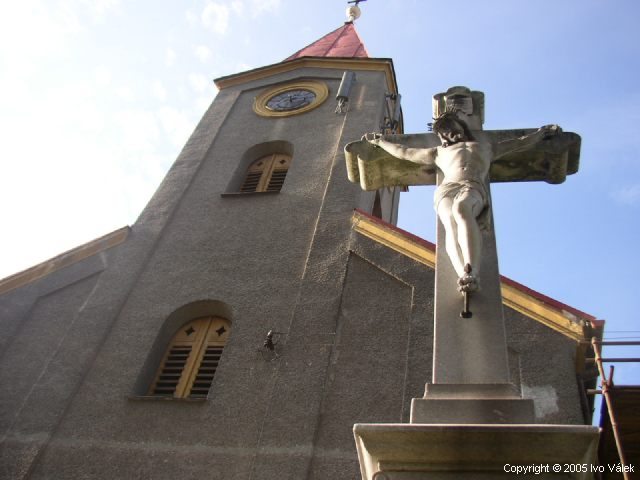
<point x="202" y="52"/>
<point x="24" y="25"/>
<point x="102" y="75"/>
<point x="158" y="90"/>
<point x="202" y="103"/>
<point x="192" y="18"/>
<point x="170" y="57"/>
<point x="198" y="82"/>
<point x="138" y="130"/>
<point x="216" y="14"/>
<point x="627" y="195"/>
<point x="126" y="93"/>
<point x="101" y="7"/>
<point x="216" y="17"/>
<point x="68" y="18"/>
<point x="176" y="125"/>
<point x="237" y="6"/>
<point x="264" y="6"/>
<point x="80" y="179"/>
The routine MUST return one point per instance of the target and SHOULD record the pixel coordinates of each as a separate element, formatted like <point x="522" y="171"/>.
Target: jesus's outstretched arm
<point x="522" y="143"/>
<point x="424" y="156"/>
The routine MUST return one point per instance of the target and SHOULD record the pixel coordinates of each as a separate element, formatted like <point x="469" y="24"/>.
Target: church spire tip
<point x="353" y="11"/>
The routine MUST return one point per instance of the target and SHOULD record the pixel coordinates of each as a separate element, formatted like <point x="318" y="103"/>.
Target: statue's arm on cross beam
<point x="513" y="145"/>
<point x="424" y="156"/>
<point x="378" y="161"/>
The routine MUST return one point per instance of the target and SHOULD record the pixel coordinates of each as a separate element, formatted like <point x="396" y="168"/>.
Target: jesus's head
<point x="451" y="129"/>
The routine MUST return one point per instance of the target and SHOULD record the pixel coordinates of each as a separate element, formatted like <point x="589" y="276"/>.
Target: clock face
<point x="290" y="100"/>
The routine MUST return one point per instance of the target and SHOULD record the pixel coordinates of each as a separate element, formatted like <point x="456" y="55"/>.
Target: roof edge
<point x="563" y="318"/>
<point x="64" y="259"/>
<point x="357" y="63"/>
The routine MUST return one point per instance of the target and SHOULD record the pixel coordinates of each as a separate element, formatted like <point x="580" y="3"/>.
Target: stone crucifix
<point x="462" y="159"/>
<point x="462" y="198"/>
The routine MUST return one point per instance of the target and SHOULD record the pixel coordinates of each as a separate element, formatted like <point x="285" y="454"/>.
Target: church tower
<point x="259" y="307"/>
<point x="154" y="335"/>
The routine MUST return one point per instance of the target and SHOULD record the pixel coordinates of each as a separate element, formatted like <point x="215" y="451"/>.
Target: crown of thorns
<point x="446" y="117"/>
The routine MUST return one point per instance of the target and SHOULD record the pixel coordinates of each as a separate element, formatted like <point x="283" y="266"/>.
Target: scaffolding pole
<point x="606" y="390"/>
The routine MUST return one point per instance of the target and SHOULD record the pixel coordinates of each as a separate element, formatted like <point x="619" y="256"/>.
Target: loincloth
<point x="454" y="189"/>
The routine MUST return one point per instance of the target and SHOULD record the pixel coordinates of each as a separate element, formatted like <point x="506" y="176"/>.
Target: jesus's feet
<point x="467" y="282"/>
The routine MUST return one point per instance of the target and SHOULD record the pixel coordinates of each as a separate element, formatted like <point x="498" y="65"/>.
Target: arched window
<point x="267" y="174"/>
<point x="191" y="360"/>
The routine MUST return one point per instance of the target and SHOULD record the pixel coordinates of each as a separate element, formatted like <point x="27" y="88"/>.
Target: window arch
<point x="191" y="360"/>
<point x="266" y="174"/>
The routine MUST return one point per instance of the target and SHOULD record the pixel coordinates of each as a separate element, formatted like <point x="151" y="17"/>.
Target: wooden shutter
<point x="279" y="169"/>
<point x="252" y="180"/>
<point x="267" y="174"/>
<point x="191" y="360"/>
<point x="212" y="347"/>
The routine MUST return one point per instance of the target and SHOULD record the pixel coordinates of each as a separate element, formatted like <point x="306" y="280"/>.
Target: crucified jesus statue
<point x="462" y="198"/>
<point x="462" y="159"/>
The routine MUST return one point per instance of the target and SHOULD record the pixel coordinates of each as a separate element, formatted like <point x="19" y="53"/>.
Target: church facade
<point x="146" y="354"/>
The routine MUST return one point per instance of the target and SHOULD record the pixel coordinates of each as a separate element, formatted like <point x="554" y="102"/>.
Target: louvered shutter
<point x="211" y="352"/>
<point x="191" y="360"/>
<point x="267" y="174"/>
<point x="254" y="174"/>
<point x="279" y="169"/>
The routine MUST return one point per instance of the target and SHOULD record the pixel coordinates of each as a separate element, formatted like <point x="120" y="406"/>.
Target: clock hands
<point x="291" y="100"/>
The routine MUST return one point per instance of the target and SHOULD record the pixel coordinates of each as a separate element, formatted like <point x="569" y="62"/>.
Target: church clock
<point x="291" y="99"/>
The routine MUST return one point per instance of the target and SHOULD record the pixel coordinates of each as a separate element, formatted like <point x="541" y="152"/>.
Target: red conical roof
<point x="342" y="42"/>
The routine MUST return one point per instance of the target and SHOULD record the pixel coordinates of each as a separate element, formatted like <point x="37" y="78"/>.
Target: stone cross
<point x="470" y="350"/>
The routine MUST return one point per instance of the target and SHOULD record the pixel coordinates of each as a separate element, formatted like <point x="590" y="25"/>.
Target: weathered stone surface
<point x="550" y="162"/>
<point x="403" y="452"/>
<point x="472" y="410"/>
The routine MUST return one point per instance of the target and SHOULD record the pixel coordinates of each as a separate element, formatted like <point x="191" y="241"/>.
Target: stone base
<point x="472" y="390"/>
<point x="434" y="452"/>
<point x="472" y="404"/>
<point x="468" y="411"/>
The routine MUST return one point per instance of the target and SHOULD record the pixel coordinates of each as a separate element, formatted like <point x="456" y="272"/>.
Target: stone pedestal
<point x="471" y="404"/>
<point x="435" y="452"/>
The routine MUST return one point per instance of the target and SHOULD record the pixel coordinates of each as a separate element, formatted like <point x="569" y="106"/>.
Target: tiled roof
<point x="342" y="42"/>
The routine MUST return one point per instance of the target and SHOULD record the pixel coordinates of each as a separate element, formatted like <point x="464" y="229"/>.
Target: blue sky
<point x="98" y="97"/>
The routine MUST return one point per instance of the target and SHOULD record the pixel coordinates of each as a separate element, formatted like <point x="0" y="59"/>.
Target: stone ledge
<point x="471" y="390"/>
<point x="466" y="450"/>
<point x="472" y="411"/>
